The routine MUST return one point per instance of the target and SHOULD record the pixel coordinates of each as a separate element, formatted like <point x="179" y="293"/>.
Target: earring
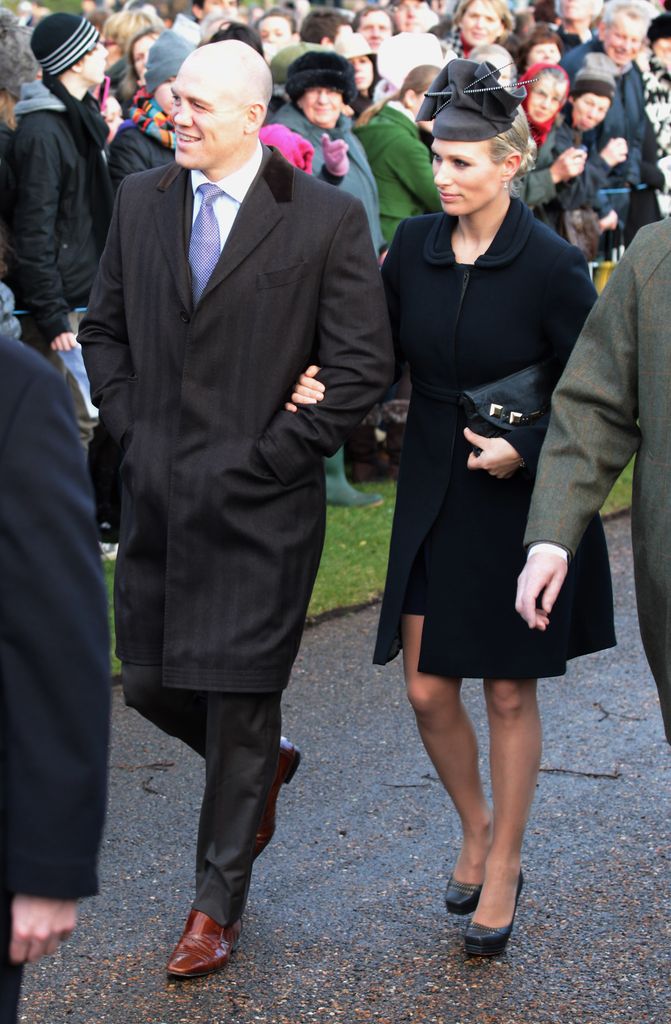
<point x="505" y="186"/>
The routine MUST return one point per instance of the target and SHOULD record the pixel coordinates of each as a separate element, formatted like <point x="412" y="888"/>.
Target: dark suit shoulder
<point x="574" y="59"/>
<point x="26" y="375"/>
<point x="330" y="199"/>
<point x="21" y="365"/>
<point x="144" y="182"/>
<point x="549" y="243"/>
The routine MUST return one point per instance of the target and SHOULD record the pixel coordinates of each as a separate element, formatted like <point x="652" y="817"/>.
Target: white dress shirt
<point x="547" y="547"/>
<point x="234" y="189"/>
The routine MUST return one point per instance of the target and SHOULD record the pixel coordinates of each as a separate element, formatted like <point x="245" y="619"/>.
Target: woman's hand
<point x="307" y="390"/>
<point x="615" y="152"/>
<point x="568" y="164"/>
<point x="609" y="222"/>
<point x="498" y="457"/>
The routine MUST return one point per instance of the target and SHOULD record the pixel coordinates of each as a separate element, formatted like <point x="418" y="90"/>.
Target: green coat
<point x="401" y="165"/>
<point x="613" y="401"/>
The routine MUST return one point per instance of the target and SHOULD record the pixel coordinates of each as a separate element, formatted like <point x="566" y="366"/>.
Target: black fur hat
<point x="320" y="68"/>
<point x="660" y="28"/>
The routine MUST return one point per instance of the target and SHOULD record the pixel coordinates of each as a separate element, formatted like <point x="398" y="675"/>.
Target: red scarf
<point x="540" y="129"/>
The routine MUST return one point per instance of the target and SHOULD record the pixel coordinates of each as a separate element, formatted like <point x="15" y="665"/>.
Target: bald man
<point x="223" y="278"/>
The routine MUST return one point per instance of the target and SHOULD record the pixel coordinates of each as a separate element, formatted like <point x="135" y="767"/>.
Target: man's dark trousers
<point x="238" y="734"/>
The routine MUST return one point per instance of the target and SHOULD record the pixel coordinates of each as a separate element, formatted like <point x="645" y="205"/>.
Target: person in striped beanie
<point x="64" y="194"/>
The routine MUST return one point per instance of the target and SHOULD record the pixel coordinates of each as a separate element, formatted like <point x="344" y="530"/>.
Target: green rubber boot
<point x="339" y="491"/>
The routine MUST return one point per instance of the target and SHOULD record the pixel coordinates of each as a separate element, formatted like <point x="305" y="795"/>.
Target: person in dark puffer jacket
<point x="63" y="192"/>
<point x="147" y="138"/>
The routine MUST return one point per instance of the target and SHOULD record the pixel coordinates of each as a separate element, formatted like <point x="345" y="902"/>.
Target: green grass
<point x="620" y="497"/>
<point x="354" y="561"/>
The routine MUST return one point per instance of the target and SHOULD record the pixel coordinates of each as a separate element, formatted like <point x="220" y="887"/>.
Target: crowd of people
<point x="328" y="193"/>
<point x="346" y="87"/>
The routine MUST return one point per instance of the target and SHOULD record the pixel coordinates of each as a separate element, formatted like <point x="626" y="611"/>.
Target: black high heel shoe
<point x="483" y="941"/>
<point x="461" y="897"/>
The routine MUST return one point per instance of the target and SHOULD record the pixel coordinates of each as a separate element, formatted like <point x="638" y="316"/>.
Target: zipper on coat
<point x="464" y="286"/>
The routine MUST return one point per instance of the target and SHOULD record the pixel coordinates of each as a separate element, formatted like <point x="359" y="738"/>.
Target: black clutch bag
<point x="518" y="400"/>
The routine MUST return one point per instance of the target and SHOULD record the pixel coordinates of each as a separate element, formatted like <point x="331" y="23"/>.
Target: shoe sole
<point x="293" y="768"/>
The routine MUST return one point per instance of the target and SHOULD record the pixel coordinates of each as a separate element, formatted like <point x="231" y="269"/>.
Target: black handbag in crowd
<point x="518" y="400"/>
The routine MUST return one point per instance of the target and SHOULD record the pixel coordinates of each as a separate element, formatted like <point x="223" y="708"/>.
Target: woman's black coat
<point x="522" y="301"/>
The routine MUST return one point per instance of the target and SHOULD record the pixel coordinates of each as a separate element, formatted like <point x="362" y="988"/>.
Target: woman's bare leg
<point x="514" y="756"/>
<point x="449" y="738"/>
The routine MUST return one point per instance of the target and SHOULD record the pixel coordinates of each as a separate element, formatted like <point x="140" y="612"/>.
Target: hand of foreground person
<point x="544" y="573"/>
<point x="39" y="925"/>
<point x="307" y="390"/>
<point x="64" y="342"/>
<point x="336" y="160"/>
<point x="497" y="456"/>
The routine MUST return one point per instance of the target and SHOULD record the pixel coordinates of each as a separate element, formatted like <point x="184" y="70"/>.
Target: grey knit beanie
<point x="17" y="64"/>
<point x="596" y="75"/>
<point x="165" y="58"/>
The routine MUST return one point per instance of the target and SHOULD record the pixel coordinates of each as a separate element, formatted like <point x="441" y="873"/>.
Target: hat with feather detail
<point x="467" y="102"/>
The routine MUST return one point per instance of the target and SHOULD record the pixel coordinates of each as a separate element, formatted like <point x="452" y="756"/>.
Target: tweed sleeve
<point x="594" y="421"/>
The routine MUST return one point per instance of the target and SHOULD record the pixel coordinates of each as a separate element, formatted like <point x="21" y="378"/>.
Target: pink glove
<point x="297" y="150"/>
<point x="336" y="160"/>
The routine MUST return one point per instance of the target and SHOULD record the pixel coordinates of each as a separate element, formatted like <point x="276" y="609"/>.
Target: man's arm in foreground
<point x="55" y="667"/>
<point x="593" y="434"/>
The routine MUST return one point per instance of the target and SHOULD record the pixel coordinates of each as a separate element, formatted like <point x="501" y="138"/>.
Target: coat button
<point x="184" y="316"/>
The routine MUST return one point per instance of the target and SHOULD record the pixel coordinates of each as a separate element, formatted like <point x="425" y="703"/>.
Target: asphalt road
<point x="346" y="921"/>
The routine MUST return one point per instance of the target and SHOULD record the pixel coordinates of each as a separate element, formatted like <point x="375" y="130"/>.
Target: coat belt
<point x="450" y="396"/>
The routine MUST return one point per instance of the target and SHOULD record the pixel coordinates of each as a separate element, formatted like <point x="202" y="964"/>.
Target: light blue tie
<point x="205" y="244"/>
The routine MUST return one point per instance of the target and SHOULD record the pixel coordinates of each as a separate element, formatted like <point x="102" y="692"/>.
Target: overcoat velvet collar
<point x="510" y="239"/>
<point x="258" y="215"/>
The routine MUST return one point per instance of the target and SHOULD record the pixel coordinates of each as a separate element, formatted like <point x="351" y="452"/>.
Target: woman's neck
<point x="475" y="232"/>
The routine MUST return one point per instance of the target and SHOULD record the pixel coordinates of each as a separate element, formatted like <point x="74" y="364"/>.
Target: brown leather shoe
<point x="289" y="760"/>
<point x="205" y="946"/>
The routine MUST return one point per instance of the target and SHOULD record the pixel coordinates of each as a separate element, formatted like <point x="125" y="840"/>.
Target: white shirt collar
<point x="238" y="183"/>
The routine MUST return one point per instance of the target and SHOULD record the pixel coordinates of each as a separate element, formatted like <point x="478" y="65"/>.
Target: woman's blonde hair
<point x="122" y="26"/>
<point x="516" y="140"/>
<point x="500" y="8"/>
<point x="417" y="80"/>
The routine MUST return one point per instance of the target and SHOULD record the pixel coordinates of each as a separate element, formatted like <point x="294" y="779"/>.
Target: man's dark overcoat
<point x="223" y="507"/>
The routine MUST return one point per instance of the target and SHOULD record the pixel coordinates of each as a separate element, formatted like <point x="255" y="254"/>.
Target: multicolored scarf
<point x="151" y="119"/>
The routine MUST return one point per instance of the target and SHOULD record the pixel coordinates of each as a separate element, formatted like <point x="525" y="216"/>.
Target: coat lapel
<point x="258" y="215"/>
<point x="172" y="210"/>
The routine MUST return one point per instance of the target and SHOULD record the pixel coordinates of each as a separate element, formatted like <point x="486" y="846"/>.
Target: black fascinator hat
<point x="467" y="102"/>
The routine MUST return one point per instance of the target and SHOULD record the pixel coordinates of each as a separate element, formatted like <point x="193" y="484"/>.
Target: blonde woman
<point x="477" y="293"/>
